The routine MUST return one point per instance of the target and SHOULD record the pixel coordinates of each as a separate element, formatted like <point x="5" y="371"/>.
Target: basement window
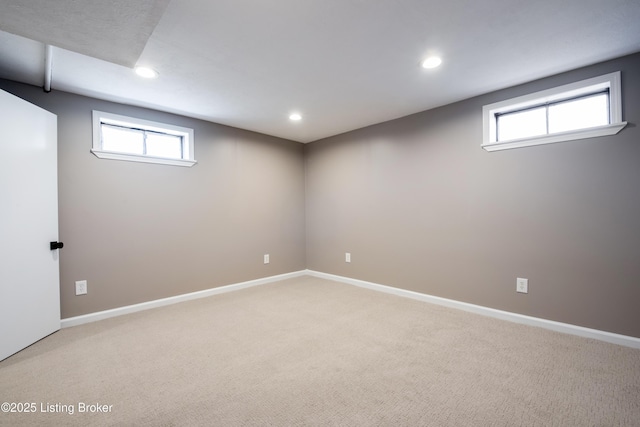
<point x="125" y="138"/>
<point x="580" y="110"/>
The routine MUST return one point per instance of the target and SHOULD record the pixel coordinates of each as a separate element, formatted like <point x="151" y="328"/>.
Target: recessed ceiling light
<point x="295" y="117"/>
<point x="431" y="62"/>
<point x="146" y="72"/>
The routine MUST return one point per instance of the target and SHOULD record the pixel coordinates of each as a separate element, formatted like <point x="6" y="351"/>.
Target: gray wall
<point x="421" y="206"/>
<point x="139" y="232"/>
<point x="416" y="201"/>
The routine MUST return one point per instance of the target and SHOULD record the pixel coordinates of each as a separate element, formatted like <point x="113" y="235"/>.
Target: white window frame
<point x="100" y="117"/>
<point x="610" y="82"/>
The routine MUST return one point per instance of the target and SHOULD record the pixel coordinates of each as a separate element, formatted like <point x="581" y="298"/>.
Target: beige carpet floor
<point x="308" y="351"/>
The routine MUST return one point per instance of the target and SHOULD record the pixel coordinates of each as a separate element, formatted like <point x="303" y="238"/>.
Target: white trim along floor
<point x="567" y="328"/>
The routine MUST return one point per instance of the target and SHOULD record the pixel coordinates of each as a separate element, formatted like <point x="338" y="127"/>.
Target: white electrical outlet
<point x="522" y="285"/>
<point x="266" y="258"/>
<point x="81" y="287"/>
<point x="347" y="257"/>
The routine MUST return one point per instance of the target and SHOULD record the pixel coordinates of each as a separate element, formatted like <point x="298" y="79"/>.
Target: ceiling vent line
<point x="48" y="66"/>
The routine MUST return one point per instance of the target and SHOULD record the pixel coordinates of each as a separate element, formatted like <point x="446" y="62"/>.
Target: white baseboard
<point x="100" y="315"/>
<point x="566" y="328"/>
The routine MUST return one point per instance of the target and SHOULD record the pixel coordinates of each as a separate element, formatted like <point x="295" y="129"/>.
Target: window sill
<point x="143" y="159"/>
<point x="611" y="129"/>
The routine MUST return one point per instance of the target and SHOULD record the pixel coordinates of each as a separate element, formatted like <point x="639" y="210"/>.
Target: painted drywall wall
<point x="415" y="201"/>
<point x="420" y="206"/>
<point x="139" y="232"/>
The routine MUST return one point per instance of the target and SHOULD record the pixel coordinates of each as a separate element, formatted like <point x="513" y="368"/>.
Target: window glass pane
<point x="522" y="124"/>
<point x="579" y="114"/>
<point x="122" y="140"/>
<point x="163" y="145"/>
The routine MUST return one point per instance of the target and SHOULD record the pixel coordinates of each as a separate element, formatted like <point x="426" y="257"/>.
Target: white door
<point x="29" y="272"/>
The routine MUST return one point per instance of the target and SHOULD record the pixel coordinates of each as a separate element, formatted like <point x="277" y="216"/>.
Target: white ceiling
<point x="343" y="64"/>
<point x="115" y="31"/>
